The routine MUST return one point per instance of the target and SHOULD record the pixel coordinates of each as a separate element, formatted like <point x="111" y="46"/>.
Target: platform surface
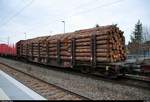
<point x="3" y="95"/>
<point x="11" y="89"/>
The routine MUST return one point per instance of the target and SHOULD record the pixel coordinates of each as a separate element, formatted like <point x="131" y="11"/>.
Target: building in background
<point x="139" y="50"/>
<point x="146" y="48"/>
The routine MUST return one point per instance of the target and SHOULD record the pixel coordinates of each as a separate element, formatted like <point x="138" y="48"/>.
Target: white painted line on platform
<point x="25" y="89"/>
<point x="3" y="96"/>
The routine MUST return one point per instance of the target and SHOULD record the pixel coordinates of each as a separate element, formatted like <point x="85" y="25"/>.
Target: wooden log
<point x="107" y="46"/>
<point x="83" y="44"/>
<point x="83" y="40"/>
<point x="83" y="58"/>
<point x="106" y="37"/>
<point x="100" y="59"/>
<point x="103" y="59"/>
<point x="53" y="57"/>
<point x="53" y="49"/>
<point x="65" y="53"/>
<point x="102" y="42"/>
<point x="52" y="53"/>
<point x="65" y="58"/>
<point x="89" y="54"/>
<point x="83" y="47"/>
<point x="88" y="35"/>
<point x="52" y="46"/>
<point x="65" y="48"/>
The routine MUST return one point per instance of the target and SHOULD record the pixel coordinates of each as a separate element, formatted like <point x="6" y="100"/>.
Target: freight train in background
<point x="96" y="50"/>
<point x="6" y="50"/>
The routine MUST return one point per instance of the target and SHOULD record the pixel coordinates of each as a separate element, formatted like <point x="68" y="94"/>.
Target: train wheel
<point x="85" y="70"/>
<point x="124" y="72"/>
<point x="110" y="74"/>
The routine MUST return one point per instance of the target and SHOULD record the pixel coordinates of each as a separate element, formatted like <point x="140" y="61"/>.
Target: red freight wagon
<point x="7" y="50"/>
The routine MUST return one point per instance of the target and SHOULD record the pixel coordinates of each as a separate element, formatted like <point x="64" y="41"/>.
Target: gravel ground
<point x="46" y="90"/>
<point x="88" y="87"/>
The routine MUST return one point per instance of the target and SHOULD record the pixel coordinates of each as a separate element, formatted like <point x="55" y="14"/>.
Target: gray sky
<point x="43" y="17"/>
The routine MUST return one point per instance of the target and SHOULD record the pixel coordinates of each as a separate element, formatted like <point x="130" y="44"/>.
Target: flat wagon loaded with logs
<point x="97" y="50"/>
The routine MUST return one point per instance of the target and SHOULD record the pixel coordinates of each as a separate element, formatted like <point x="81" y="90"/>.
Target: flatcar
<point x="95" y="50"/>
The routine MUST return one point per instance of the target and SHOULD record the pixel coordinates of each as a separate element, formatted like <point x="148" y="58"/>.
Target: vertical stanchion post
<point x="73" y="49"/>
<point x="58" y="51"/>
<point x="47" y="49"/>
<point x="39" y="56"/>
<point x="93" y="50"/>
<point x="26" y="50"/>
<point x="32" y="51"/>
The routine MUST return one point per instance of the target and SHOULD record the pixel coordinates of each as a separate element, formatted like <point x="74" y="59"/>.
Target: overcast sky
<point x="43" y="17"/>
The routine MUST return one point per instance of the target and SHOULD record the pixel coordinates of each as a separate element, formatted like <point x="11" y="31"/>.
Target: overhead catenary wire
<point x="101" y="6"/>
<point x="86" y="4"/>
<point x="80" y="6"/>
<point x="17" y="13"/>
<point x="88" y="10"/>
<point x="81" y="12"/>
<point x="20" y="11"/>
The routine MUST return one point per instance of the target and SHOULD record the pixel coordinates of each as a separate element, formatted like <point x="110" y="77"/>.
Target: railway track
<point x="129" y="79"/>
<point x="138" y="81"/>
<point x="138" y="77"/>
<point x="126" y="80"/>
<point x="135" y="83"/>
<point x="129" y="82"/>
<point x="47" y="90"/>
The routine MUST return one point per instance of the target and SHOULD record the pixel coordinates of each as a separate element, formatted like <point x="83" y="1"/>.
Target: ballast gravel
<point x="88" y="87"/>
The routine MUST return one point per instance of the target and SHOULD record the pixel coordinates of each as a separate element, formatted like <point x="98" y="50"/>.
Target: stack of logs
<point x="109" y="45"/>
